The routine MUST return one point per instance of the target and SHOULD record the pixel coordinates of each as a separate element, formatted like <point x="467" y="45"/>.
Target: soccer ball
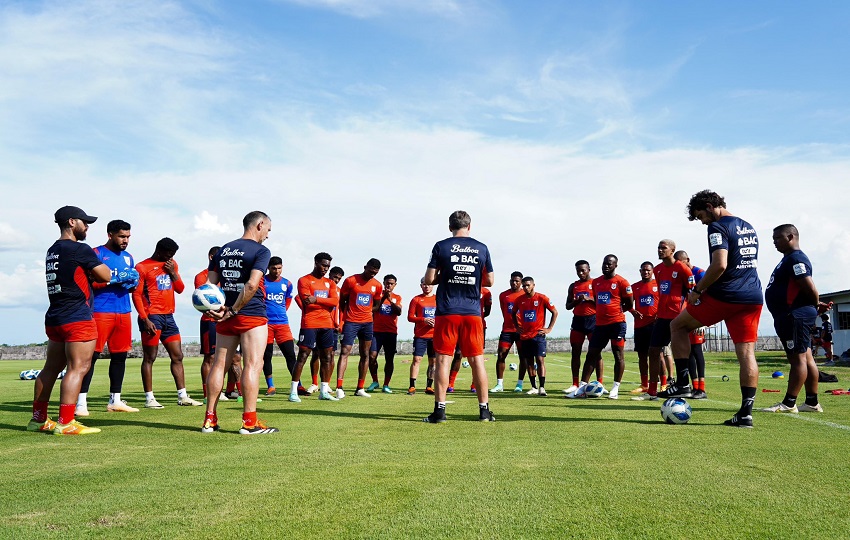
<point x="513" y="367"/>
<point x="62" y="373"/>
<point x="207" y="297"/>
<point x="28" y="374"/>
<point x="676" y="411"/>
<point x="594" y="389"/>
<point x="465" y="364"/>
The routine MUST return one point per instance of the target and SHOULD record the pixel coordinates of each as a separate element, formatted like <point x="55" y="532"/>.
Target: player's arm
<point x="515" y="319"/>
<point x="288" y="299"/>
<point x="432" y="276"/>
<point x="101" y="274"/>
<point x="212" y="278"/>
<point x="488" y="279"/>
<point x="411" y="312"/>
<point x="809" y="292"/>
<point x="719" y="261"/>
<point x="571" y="297"/>
<point x="139" y="303"/>
<point x="332" y="300"/>
<point x="395" y="309"/>
<point x="551" y="308"/>
<point x="248" y="291"/>
<point x="177" y="284"/>
<point x="487" y="307"/>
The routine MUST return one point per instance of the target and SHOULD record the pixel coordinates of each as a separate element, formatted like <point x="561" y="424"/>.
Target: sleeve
<point x="411" y="311"/>
<point x="343" y="292"/>
<point x="488" y="263"/>
<point x="626" y="288"/>
<point x="435" y="257"/>
<point x="547" y="302"/>
<point x="199" y="279"/>
<point x="718" y="237"/>
<point x="178" y="285"/>
<point x="688" y="282"/>
<point x="801" y="267"/>
<point x="261" y="260"/>
<point x="379" y="291"/>
<point x="139" y="292"/>
<point x="87" y="258"/>
<point x="303" y="290"/>
<point x="288" y="294"/>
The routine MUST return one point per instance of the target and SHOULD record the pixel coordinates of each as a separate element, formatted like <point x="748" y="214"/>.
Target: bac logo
<point x="321" y="294"/>
<point x="529" y="315"/>
<point x="386" y="309"/>
<point x="163" y="282"/>
<point x="364" y="299"/>
<point x="799" y="269"/>
<point x="665" y="287"/>
<point x="603" y="298"/>
<point x="647" y="300"/>
<point x="429" y="312"/>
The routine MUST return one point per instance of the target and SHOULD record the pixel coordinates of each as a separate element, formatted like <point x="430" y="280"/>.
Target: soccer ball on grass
<point x="676" y="411"/>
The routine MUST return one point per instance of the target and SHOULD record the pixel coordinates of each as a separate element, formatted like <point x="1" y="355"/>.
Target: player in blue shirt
<point x="792" y="299"/>
<point x="278" y="298"/>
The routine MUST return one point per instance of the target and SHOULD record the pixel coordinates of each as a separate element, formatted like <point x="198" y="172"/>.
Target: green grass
<point x="369" y="468"/>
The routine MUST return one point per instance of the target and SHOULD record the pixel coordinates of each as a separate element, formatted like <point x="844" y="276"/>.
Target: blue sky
<point x="567" y="130"/>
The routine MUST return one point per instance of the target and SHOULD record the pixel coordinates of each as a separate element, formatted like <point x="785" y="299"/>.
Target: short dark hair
<point x="787" y="228"/>
<point x="528" y="278"/>
<point x="373" y="263"/>
<point x="616" y="259"/>
<point x="336" y="270"/>
<point x="167" y="244"/>
<point x="275" y="260"/>
<point x="516" y="273"/>
<point x="392" y="277"/>
<point x="253" y="217"/>
<point x="214" y="250"/>
<point x="699" y="201"/>
<point x="459" y="220"/>
<point x="117" y="225"/>
<point x="581" y="262"/>
<point x="320" y="256"/>
<point x="644" y="263"/>
<point x="681" y="255"/>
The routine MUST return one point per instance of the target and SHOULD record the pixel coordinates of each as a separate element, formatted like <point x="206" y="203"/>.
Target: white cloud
<point x="23" y="287"/>
<point x="208" y="223"/>
<point x="12" y="239"/>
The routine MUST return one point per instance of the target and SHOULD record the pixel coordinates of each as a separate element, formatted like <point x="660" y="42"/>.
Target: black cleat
<point x="435" y="418"/>
<point x="744" y="422"/>
<point x="676" y="391"/>
<point x="486" y="415"/>
<point x="699" y="394"/>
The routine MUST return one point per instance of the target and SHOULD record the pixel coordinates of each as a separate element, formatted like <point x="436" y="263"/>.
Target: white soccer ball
<point x="62" y="373"/>
<point x="26" y="375"/>
<point x="676" y="411"/>
<point x="594" y="389"/>
<point x="207" y="297"/>
<point x="513" y="367"/>
<point x="465" y="364"/>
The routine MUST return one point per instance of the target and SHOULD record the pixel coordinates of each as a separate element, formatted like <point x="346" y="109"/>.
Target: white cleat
<point x="533" y="392"/>
<point x="81" y="410"/>
<point x="809" y="408"/>
<point x="120" y="406"/>
<point x="339" y="393"/>
<point x="153" y="404"/>
<point x="222" y="397"/>
<point x="293" y="397"/>
<point x="188" y="402"/>
<point x="542" y="392"/>
<point x="571" y="389"/>
<point x="498" y="388"/>
<point x="614" y="394"/>
<point x="327" y="396"/>
<point x="579" y="393"/>
<point x="312" y="389"/>
<point x="781" y="408"/>
<point x="361" y="393"/>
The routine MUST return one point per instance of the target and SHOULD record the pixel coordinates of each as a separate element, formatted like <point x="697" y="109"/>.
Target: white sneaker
<point x="781" y="408"/>
<point x="153" y="404"/>
<point x="604" y="391"/>
<point x="121" y="406"/>
<point x="498" y="388"/>
<point x="614" y="394"/>
<point x="571" y="389"/>
<point x="339" y="393"/>
<point x="188" y="402"/>
<point x="326" y="396"/>
<point x="312" y="389"/>
<point x="81" y="410"/>
<point x="645" y="397"/>
<point x="579" y="393"/>
<point x="222" y="397"/>
<point x="293" y="397"/>
<point x="361" y="393"/>
<point x="809" y="408"/>
<point x="542" y="392"/>
<point x="533" y="392"/>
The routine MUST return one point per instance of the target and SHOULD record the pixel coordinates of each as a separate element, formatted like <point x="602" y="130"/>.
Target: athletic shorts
<point x="166" y="330"/>
<point x="642" y="337"/>
<point x="696" y="338"/>
<point x="463" y="331"/>
<point x="72" y="332"/>
<point x="660" y="333"/>
<point x="532" y="348"/>
<point x="239" y="324"/>
<point x="794" y="332"/>
<point x="506" y="339"/>
<point x="207" y="337"/>
<point x="317" y="338"/>
<point x="421" y="346"/>
<point x="386" y="340"/>
<point x="280" y="333"/>
<point x="602" y="334"/>
<point x="115" y="330"/>
<point x="742" y="320"/>
<point x="581" y="328"/>
<point x="361" y="331"/>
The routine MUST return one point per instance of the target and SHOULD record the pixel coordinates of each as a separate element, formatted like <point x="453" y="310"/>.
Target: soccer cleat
<point x="639" y="390"/>
<point x="233" y="394"/>
<point x="429" y="391"/>
<point x="645" y="397"/>
<point x="743" y="422"/>
<point x="327" y="396"/>
<point x="780" y="408"/>
<point x="386" y="389"/>
<point x="271" y="391"/>
<point x="579" y="393"/>
<point x="209" y="426"/>
<point x="472" y="389"/>
<point x="676" y="391"/>
<point x="663" y="387"/>
<point x="699" y="394"/>
<point x="293" y="397"/>
<point x="222" y="397"/>
<point x="44" y="427"/>
<point x="518" y="389"/>
<point x="435" y="418"/>
<point x="374" y="386"/>
<point x="533" y="392"/>
<point x="604" y="391"/>
<point x="361" y="393"/>
<point x="74" y="428"/>
<point x="313" y="388"/>
<point x="542" y="392"/>
<point x="411" y="391"/>
<point x="614" y="394"/>
<point x="121" y="406"/>
<point x="339" y="393"/>
<point x="153" y="404"/>
<point x="188" y="402"/>
<point x="803" y="407"/>
<point x="81" y="410"/>
<point x="571" y="389"/>
<point x="259" y="429"/>
<point x="450" y="390"/>
<point x="486" y="415"/>
<point x="303" y="391"/>
<point x="498" y="388"/>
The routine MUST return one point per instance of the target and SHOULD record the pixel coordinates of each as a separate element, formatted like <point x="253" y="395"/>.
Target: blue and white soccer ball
<point x="28" y="374"/>
<point x="676" y="411"/>
<point x="513" y="367"/>
<point x="465" y="364"/>
<point x="207" y="297"/>
<point x="594" y="389"/>
<point x="61" y="374"/>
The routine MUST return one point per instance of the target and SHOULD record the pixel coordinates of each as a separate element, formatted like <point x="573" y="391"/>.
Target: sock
<point x="205" y="390"/>
<point x="748" y="397"/>
<point x="483" y="406"/>
<point x="270" y="382"/>
<point x="148" y="396"/>
<point x="182" y="393"/>
<point x="211" y="416"/>
<point x="682" y="372"/>
<point x="644" y="381"/>
<point x="440" y="406"/>
<point x="249" y="419"/>
<point x="575" y="381"/>
<point x="39" y="410"/>
<point x="231" y="386"/>
<point x="326" y="388"/>
<point x="811" y="399"/>
<point x="293" y="388"/>
<point x="66" y="412"/>
<point x="114" y="398"/>
<point x="499" y="382"/>
<point x="664" y="380"/>
<point x="413" y="383"/>
<point x="789" y="401"/>
<point x="316" y="380"/>
<point x="653" y="389"/>
<point x="430" y="383"/>
<point x="300" y="386"/>
<point x="599" y="380"/>
<point x="533" y="381"/>
<point x="616" y="386"/>
<point x="360" y="383"/>
<point x="339" y="383"/>
<point x="519" y="383"/>
<point x="386" y="381"/>
<point x="452" y="377"/>
<point x="81" y="400"/>
<point x="702" y="385"/>
<point x="239" y="387"/>
<point x="542" y="381"/>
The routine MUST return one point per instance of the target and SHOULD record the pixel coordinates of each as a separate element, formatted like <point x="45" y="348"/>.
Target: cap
<point x="72" y="212"/>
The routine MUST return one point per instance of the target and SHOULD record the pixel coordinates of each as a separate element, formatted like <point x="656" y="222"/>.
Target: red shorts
<point x="696" y="339"/>
<point x="280" y="333"/>
<point x="465" y="332"/>
<point x="742" y="320"/>
<point x="75" y="331"/>
<point x="114" y="329"/>
<point x="238" y="325"/>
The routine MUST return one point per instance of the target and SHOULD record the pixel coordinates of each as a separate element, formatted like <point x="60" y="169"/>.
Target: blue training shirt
<point x="234" y="263"/>
<point x="462" y="262"/>
<point x="277" y="293"/>
<point x="782" y="293"/>
<point x="739" y="283"/>
<point x="113" y="298"/>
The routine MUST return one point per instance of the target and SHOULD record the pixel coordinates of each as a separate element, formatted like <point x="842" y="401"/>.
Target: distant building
<point x="839" y="316"/>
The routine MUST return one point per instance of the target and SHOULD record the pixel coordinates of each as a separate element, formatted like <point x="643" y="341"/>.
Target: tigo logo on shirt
<point x="529" y="315"/>
<point x="364" y="299"/>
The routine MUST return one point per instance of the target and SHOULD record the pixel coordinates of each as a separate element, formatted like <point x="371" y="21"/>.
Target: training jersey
<point x="583" y="288"/>
<point x="154" y="294"/>
<point x="385" y="319"/>
<point x="674" y="282"/>
<point x="698" y="273"/>
<point x="422" y="307"/>
<point x="112" y="297"/>
<point x="507" y="299"/>
<point x="234" y="263"/>
<point x="826" y="331"/>
<point x="278" y="299"/>
<point x="201" y="278"/>
<point x="610" y="294"/>
<point x="782" y="294"/>
<point x="486" y="300"/>
<point x="739" y="283"/>
<point x="66" y="271"/>
<point x="646" y="301"/>
<point x="531" y="313"/>
<point x="361" y="295"/>
<point x="318" y="315"/>
<point x="462" y="262"/>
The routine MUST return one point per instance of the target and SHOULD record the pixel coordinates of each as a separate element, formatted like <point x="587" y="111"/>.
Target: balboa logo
<point x="228" y="252"/>
<point x="457" y="249"/>
<point x="744" y="230"/>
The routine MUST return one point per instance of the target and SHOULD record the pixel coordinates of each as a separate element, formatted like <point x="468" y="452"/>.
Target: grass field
<point x="369" y="468"/>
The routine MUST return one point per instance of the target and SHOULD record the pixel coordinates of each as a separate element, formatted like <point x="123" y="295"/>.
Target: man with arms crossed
<point x="386" y="334"/>
<point x="529" y="316"/>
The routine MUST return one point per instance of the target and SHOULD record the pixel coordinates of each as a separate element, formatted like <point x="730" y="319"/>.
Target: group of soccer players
<point x="90" y="293"/>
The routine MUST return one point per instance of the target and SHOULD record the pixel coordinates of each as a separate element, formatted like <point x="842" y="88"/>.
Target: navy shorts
<point x="386" y="340"/>
<point x="532" y="348"/>
<point x="583" y="324"/>
<point x="207" y="337"/>
<point x="795" y="332"/>
<point x="166" y="330"/>
<point x="602" y="334"/>
<point x="317" y="338"/>
<point x="506" y="339"/>
<point x="361" y="331"/>
<point x="642" y="338"/>
<point x="422" y="346"/>
<point x="660" y="333"/>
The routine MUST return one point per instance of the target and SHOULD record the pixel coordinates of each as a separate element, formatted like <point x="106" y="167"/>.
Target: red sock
<point x="653" y="388"/>
<point x="575" y="381"/>
<point x="239" y="388"/>
<point x="644" y="380"/>
<point x="205" y="390"/>
<point x="452" y="377"/>
<point x="230" y="387"/>
<point x="360" y="383"/>
<point x="315" y="380"/>
<point x="39" y="410"/>
<point x="66" y="412"/>
<point x="663" y="380"/>
<point x="386" y="381"/>
<point x="599" y="379"/>
<point x="339" y="383"/>
<point x="212" y="417"/>
<point x="701" y="385"/>
<point x="249" y="418"/>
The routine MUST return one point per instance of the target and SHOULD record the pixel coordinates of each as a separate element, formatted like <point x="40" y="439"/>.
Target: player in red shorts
<point x="385" y="334"/>
<point x="730" y="291"/>
<point x="159" y="279"/>
<point x="70" y="327"/>
<point x="582" y="302"/>
<point x="509" y="334"/>
<point x="460" y="265"/>
<point x="359" y="297"/>
<point x="645" y="293"/>
<point x="529" y="315"/>
<point x="421" y="313"/>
